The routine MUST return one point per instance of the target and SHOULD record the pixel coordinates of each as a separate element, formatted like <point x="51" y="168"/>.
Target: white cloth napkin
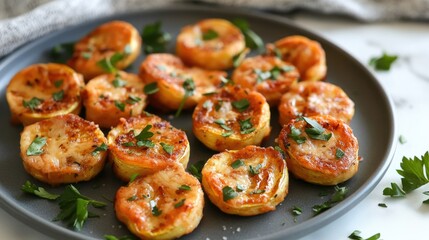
<point x="25" y="20"/>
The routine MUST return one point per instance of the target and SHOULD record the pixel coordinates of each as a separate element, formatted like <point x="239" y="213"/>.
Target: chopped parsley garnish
<point x="209" y="35"/>
<point x="253" y="41"/>
<point x="225" y="81"/>
<point x="185" y="187"/>
<point x="180" y="203"/>
<point x="128" y="144"/>
<point x="167" y="148"/>
<point x="221" y="122"/>
<point x="36" y="146"/>
<point x="261" y="75"/>
<point x="195" y="169"/>
<point x="296" y="211"/>
<point x="143" y="137"/>
<point x="254" y="170"/>
<point x="58" y="83"/>
<point x="339" y="153"/>
<point x="120" y="105"/>
<point x="133" y="99"/>
<point x="74" y="207"/>
<point x="237" y="163"/>
<point x="155" y="211"/>
<point x="208" y="104"/>
<point x="277" y="53"/>
<point x="228" y="193"/>
<point x="280" y="150"/>
<point x="32" y="188"/>
<point x="118" y="82"/>
<point x="402" y="139"/>
<point x="356" y="236"/>
<point x="240" y="188"/>
<point x="246" y="126"/>
<point x="133" y="177"/>
<point x="109" y="64"/>
<point x="394" y="191"/>
<point x="339" y="194"/>
<point x="154" y="39"/>
<point x="316" y="131"/>
<point x="383" y="205"/>
<point x="86" y="55"/>
<point x="103" y="147"/>
<point x="62" y="52"/>
<point x="189" y="87"/>
<point x="226" y="134"/>
<point x="151" y="88"/>
<point x="383" y="63"/>
<point x="58" y="96"/>
<point x="295" y="134"/>
<point x="32" y="103"/>
<point x="238" y="58"/>
<point x="241" y="105"/>
<point x="132" y="198"/>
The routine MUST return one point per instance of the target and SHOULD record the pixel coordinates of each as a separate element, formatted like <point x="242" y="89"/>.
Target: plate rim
<point x="47" y="227"/>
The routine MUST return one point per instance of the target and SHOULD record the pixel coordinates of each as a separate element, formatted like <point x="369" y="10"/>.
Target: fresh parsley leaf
<point x="261" y="75"/>
<point x="58" y="96"/>
<point x="384" y="62"/>
<point x="280" y="150"/>
<point x="240" y="188"/>
<point x="402" y="139"/>
<point x="210" y="34"/>
<point x="167" y="148"/>
<point x="180" y="203"/>
<point x="295" y="135"/>
<point x="155" y="211"/>
<point x="133" y="100"/>
<point x="253" y="41"/>
<point x="185" y="187"/>
<point x="254" y="170"/>
<point x="228" y="193"/>
<point x="239" y="57"/>
<point x="339" y="153"/>
<point x="154" y="39"/>
<point x="356" y="236"/>
<point x="133" y="177"/>
<point x="145" y="143"/>
<point x="129" y="144"/>
<point x="120" y="105"/>
<point x="108" y="64"/>
<point x="383" y="205"/>
<point x="103" y="147"/>
<point x="32" y="103"/>
<point x="62" y="52"/>
<point x="32" y="188"/>
<point x="296" y="211"/>
<point x="241" y="105"/>
<point x="151" y="88"/>
<point x="394" y="191"/>
<point x="189" y="87"/>
<point x="195" y="169"/>
<point x="74" y="207"/>
<point x="118" y="81"/>
<point x="226" y="134"/>
<point x="414" y="172"/>
<point x="246" y="126"/>
<point x="237" y="163"/>
<point x="145" y="133"/>
<point x="339" y="194"/>
<point x="36" y="146"/>
<point x="208" y="105"/>
<point x="58" y="83"/>
<point x="221" y="122"/>
<point x="225" y="81"/>
<point x="316" y="131"/>
<point x="86" y="55"/>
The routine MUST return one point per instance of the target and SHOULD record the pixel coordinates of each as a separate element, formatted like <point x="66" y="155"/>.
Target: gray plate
<point x="373" y="125"/>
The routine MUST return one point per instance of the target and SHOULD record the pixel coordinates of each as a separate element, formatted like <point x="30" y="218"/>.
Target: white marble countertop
<point x="407" y="83"/>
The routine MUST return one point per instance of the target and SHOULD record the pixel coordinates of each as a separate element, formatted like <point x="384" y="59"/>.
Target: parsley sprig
<point x="414" y="172"/>
<point x="355" y="235"/>
<point x="189" y="87"/>
<point x="143" y="137"/>
<point x="73" y="205"/>
<point x="384" y="62"/>
<point x="253" y="41"/>
<point x="154" y="39"/>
